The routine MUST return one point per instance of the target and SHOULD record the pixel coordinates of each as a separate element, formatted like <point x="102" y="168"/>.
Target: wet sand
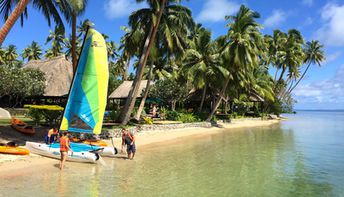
<point x="13" y="164"/>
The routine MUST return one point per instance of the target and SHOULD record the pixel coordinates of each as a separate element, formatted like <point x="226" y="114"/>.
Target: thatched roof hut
<point x="58" y="74"/>
<point x="122" y="91"/>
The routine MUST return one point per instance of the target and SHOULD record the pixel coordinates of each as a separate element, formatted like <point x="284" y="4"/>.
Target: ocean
<point x="301" y="156"/>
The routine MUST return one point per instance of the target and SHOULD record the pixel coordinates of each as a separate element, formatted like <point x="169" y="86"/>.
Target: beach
<point x="144" y="139"/>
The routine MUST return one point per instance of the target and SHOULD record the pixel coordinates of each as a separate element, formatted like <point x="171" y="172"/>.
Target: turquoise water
<point x="303" y="156"/>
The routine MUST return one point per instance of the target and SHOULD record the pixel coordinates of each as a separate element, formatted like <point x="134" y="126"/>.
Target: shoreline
<point x="144" y="139"/>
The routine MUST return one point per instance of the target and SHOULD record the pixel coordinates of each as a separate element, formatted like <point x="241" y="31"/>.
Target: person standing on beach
<point x="64" y="148"/>
<point x="129" y="140"/>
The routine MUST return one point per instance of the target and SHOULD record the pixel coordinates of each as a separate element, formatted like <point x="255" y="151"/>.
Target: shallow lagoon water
<point x="303" y="156"/>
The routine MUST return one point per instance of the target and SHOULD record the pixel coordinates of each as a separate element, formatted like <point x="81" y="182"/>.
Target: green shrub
<point x="36" y="115"/>
<point x="148" y="120"/>
<point x="172" y="115"/>
<point x="201" y="116"/>
<point x="187" y="118"/>
<point x="114" y="114"/>
<point x="50" y="113"/>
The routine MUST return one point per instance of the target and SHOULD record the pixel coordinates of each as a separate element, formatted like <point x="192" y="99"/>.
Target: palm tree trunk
<point x="217" y="103"/>
<point x="126" y="69"/>
<point x="18" y="10"/>
<point x="74" y="43"/>
<point x="304" y="73"/>
<point x="203" y="98"/>
<point x="281" y="76"/>
<point x="143" y="101"/>
<point x="130" y="102"/>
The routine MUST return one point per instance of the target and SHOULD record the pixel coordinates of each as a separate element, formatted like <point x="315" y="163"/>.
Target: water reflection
<point x="282" y="160"/>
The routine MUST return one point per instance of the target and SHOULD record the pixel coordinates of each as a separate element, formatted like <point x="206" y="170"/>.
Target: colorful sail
<point x="86" y="103"/>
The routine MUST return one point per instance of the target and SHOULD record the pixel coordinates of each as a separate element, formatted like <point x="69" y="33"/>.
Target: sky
<point x="322" y="87"/>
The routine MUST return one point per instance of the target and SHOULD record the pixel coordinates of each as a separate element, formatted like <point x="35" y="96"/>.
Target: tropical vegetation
<point x="193" y="74"/>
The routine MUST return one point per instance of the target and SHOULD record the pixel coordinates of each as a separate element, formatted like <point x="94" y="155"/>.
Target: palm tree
<point x="175" y="25"/>
<point x="68" y="45"/>
<point x="202" y="61"/>
<point x="2" y="56"/>
<point x="83" y="26"/>
<point x="290" y="55"/>
<point x="150" y="38"/>
<point x="32" y="52"/>
<point x="57" y="39"/>
<point x="71" y="9"/>
<point x="241" y="50"/>
<point x="111" y="50"/>
<point x="314" y="54"/>
<point x="47" y="7"/>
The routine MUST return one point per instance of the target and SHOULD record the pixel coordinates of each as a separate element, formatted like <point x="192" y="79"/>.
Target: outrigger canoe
<point x="13" y="150"/>
<point x="22" y="127"/>
<point x="78" y="155"/>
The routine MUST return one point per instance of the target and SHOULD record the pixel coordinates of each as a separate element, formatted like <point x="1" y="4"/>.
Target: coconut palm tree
<point x="83" y="26"/>
<point x="32" y="52"/>
<point x="290" y="55"/>
<point x="71" y="9"/>
<point x="175" y="25"/>
<point x="57" y="39"/>
<point x="314" y="54"/>
<point x="68" y="46"/>
<point x="48" y="8"/>
<point x="202" y="61"/>
<point x="241" y="49"/>
<point x="2" y="56"/>
<point x="158" y="9"/>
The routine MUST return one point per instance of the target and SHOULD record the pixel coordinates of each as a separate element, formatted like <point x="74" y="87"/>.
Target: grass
<point x="6" y="122"/>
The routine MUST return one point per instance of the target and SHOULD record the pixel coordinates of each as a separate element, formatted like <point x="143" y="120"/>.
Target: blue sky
<point x="322" y="88"/>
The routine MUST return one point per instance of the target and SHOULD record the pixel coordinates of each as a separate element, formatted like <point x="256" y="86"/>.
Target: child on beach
<point x="64" y="148"/>
<point x="129" y="140"/>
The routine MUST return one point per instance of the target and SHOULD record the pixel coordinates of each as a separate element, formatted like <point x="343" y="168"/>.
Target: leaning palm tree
<point x="171" y="39"/>
<point x="71" y="9"/>
<point x="158" y="8"/>
<point x="314" y="54"/>
<point x="32" y="52"/>
<point x="291" y="54"/>
<point x="241" y="50"/>
<point x="49" y="8"/>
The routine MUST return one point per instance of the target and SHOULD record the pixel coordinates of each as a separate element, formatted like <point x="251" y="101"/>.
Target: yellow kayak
<point x="14" y="150"/>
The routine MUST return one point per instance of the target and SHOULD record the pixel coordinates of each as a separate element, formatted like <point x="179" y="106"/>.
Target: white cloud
<point x="331" y="32"/>
<point x="121" y="8"/>
<point x="277" y="17"/>
<point x="327" y="91"/>
<point x="216" y="10"/>
<point x="332" y="57"/>
<point x="307" y="2"/>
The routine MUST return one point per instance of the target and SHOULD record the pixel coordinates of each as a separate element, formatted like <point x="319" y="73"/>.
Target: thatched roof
<point x="58" y="74"/>
<point x="123" y="90"/>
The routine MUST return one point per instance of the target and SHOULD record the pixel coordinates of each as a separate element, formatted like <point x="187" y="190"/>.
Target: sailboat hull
<point x="48" y="151"/>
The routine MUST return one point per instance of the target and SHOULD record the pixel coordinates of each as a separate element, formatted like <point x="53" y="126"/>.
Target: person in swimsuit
<point x="129" y="140"/>
<point x="64" y="148"/>
<point x="51" y="136"/>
